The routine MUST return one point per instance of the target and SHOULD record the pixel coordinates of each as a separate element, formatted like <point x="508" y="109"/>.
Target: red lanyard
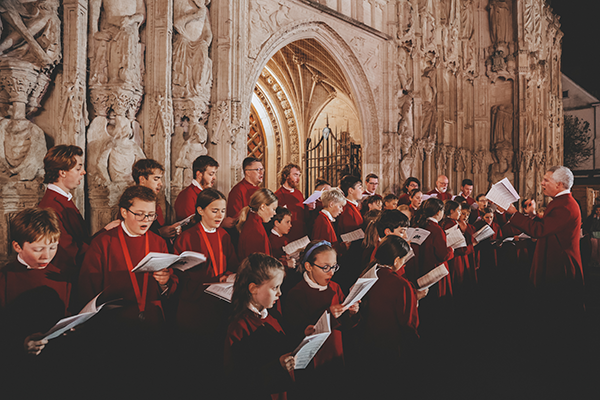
<point x="141" y="298"/>
<point x="217" y="269"/>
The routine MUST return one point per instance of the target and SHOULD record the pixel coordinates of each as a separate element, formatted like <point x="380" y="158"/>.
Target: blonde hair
<point x="260" y="197"/>
<point x="335" y="195"/>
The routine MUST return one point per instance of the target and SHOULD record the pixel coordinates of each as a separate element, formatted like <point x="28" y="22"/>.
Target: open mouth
<point x="43" y="265"/>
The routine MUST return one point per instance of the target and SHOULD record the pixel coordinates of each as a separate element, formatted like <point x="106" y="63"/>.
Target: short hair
<point x="390" y="248"/>
<point x="488" y="210"/>
<point x="248" y="161"/>
<point x="389" y="197"/>
<point x="136" y="192"/>
<point x="525" y="200"/>
<point x="60" y="158"/>
<point x="286" y="171"/>
<point x="460" y="199"/>
<point x="479" y="196"/>
<point x="202" y="162"/>
<point x="562" y="175"/>
<point x="373" y="176"/>
<point x="466" y="182"/>
<point x="33" y="224"/>
<point x="390" y="219"/>
<point x="371" y="200"/>
<point x="145" y="168"/>
<point x="321" y="182"/>
<point x="349" y="181"/>
<point x="280" y="214"/>
<point x="205" y="198"/>
<point x="335" y="195"/>
<point x="408" y="181"/>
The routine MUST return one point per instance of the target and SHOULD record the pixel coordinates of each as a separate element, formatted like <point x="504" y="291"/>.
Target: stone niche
<point x="466" y="88"/>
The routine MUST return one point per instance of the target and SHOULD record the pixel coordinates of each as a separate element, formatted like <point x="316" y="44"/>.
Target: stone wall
<point x="468" y="88"/>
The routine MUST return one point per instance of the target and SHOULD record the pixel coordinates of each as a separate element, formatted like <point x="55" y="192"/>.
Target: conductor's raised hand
<point x="34" y="344"/>
<point x="163" y="276"/>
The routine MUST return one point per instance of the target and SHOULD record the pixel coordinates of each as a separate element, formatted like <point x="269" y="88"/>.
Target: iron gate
<point x="331" y="158"/>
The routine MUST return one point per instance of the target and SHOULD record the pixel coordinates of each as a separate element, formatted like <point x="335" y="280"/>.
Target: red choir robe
<point x="105" y="270"/>
<point x="253" y="347"/>
<point x="441" y="196"/>
<point x="185" y="204"/>
<point x="74" y="235"/>
<point x="293" y="200"/>
<point x="160" y="217"/>
<point x="253" y="237"/>
<point x="476" y="215"/>
<point x="323" y="230"/>
<point x="461" y="272"/>
<point x="239" y="197"/>
<point x="312" y="216"/>
<point x="485" y="252"/>
<point x="518" y="254"/>
<point x="557" y="258"/>
<point x="350" y="219"/>
<point x="277" y="243"/>
<point x="404" y="198"/>
<point x="389" y="317"/>
<point x="431" y="253"/>
<point x="469" y="199"/>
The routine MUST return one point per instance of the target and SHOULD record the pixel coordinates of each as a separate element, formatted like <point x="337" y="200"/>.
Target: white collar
<point x="461" y="194"/>
<point x="195" y="183"/>
<point x="24" y="263"/>
<point x="562" y="193"/>
<point x="328" y="215"/>
<point x="127" y="231"/>
<point x="287" y="188"/>
<point x="58" y="190"/>
<point x="433" y="219"/>
<point x="352" y="201"/>
<point x="274" y="232"/>
<point x="207" y="230"/>
<point x="437" y="190"/>
<point x="313" y="284"/>
<point x="262" y="314"/>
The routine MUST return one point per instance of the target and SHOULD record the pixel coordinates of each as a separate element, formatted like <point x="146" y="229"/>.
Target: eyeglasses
<point x="256" y="169"/>
<point x="328" y="268"/>
<point x="141" y="216"/>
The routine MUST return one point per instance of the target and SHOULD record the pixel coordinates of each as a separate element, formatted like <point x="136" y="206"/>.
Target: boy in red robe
<point x="63" y="166"/>
<point x="333" y="203"/>
<point x="205" y="174"/>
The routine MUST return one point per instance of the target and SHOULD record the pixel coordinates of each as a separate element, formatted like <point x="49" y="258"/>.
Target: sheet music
<point x="306" y="350"/>
<point x="410" y="255"/>
<point x="503" y="194"/>
<point x="223" y="291"/>
<point x="524" y="236"/>
<point x="361" y="287"/>
<point x="455" y="238"/>
<point x="158" y="261"/>
<point x="483" y="233"/>
<point x="417" y="235"/>
<point x="313" y="197"/>
<point x="186" y="221"/>
<point x="352" y="236"/>
<point x="296" y="245"/>
<point x="432" y="277"/>
<point x="426" y="196"/>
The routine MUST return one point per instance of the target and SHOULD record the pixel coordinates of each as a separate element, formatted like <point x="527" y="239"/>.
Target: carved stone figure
<point x="466" y="19"/>
<point x="23" y="146"/>
<point x="503" y="165"/>
<point x="502" y="124"/>
<point x="193" y="147"/>
<point x="501" y="30"/>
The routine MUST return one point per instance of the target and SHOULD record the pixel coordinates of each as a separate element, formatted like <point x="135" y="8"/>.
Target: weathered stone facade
<point x="468" y="88"/>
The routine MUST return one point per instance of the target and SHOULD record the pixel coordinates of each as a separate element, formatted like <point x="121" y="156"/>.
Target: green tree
<point x="577" y="141"/>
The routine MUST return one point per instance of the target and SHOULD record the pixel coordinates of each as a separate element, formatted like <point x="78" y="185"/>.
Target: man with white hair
<point x="556" y="271"/>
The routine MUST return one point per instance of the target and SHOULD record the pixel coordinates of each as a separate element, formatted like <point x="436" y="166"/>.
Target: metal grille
<point x="331" y="158"/>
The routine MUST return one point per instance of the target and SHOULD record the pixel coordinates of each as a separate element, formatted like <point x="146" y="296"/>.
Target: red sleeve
<point x="235" y="201"/>
<point x="440" y="247"/>
<point x="185" y="205"/>
<point x="232" y="259"/>
<point x="406" y="306"/>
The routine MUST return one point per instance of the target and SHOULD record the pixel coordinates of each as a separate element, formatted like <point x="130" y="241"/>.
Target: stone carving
<point x="427" y="22"/>
<point x="502" y="139"/>
<point x="405" y="15"/>
<point x="428" y="95"/>
<point x="29" y="51"/>
<point x="501" y="28"/>
<point x="502" y="124"/>
<point x="467" y="18"/>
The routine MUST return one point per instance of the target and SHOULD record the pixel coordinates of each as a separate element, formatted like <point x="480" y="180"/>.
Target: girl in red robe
<point x="304" y="305"/>
<point x="253" y="237"/>
<point x="257" y="358"/>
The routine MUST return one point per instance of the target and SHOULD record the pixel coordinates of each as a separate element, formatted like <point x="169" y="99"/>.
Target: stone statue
<point x="467" y="24"/>
<point x="23" y="145"/>
<point x="502" y="124"/>
<point x="503" y="163"/>
<point x="501" y="31"/>
<point x="192" y="148"/>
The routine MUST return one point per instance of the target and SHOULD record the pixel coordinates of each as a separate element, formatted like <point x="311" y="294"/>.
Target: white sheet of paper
<point x="352" y="236"/>
<point x="313" y="197"/>
<point x="296" y="245"/>
<point x="185" y="221"/>
<point x="508" y="239"/>
<point x="417" y="235"/>
<point x="306" y="350"/>
<point x="432" y="277"/>
<point x="426" y="196"/>
<point x="410" y="255"/>
<point x="524" y="236"/>
<point x="361" y="287"/>
<point x="223" y="291"/>
<point x="230" y="278"/>
<point x="455" y="238"/>
<point x="503" y="194"/>
<point x="483" y="233"/>
<point x="158" y="261"/>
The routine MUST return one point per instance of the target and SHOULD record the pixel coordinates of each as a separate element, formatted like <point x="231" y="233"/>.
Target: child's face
<point x="265" y="295"/>
<point x="72" y="178"/>
<point x="138" y="210"/>
<point x="464" y="214"/>
<point x="391" y="205"/>
<point x="488" y="218"/>
<point x="266" y="212"/>
<point x="416" y="200"/>
<point x="335" y="209"/>
<point x="399" y="231"/>
<point x="213" y="214"/>
<point x="284" y="226"/>
<point x="37" y="254"/>
<point x="316" y="274"/>
<point x="454" y="214"/>
<point x="153" y="181"/>
<point x="375" y="206"/>
<point x="356" y="192"/>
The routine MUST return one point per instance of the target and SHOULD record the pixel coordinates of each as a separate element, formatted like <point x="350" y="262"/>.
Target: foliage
<point x="577" y="141"/>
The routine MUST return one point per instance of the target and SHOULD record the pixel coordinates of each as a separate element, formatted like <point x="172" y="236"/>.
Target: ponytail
<point x="260" y="197"/>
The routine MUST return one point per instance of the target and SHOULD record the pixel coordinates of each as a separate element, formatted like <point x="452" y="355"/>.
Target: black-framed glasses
<point x="328" y="268"/>
<point x="141" y="216"/>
